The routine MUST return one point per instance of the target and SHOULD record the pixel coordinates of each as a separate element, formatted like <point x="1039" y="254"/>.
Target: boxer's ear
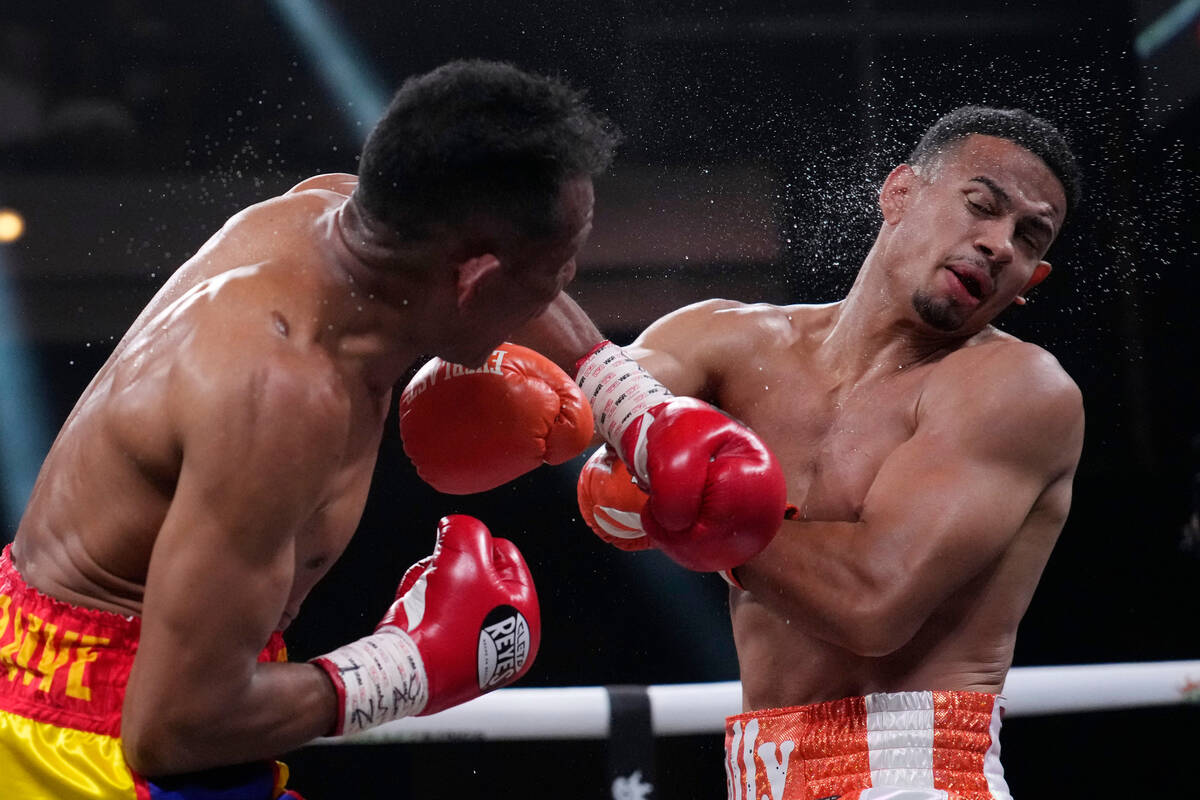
<point x="472" y="274"/>
<point x="1040" y="273"/>
<point x="896" y="191"/>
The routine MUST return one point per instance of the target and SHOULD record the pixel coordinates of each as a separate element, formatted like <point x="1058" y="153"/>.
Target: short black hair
<point x="1020" y="127"/>
<point x="480" y="137"/>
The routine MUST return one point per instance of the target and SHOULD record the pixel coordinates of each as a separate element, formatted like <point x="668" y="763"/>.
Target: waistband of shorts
<point x="121" y="630"/>
<point x="851" y="711"/>
<point x="66" y="665"/>
<point x="936" y="739"/>
<point x="60" y="663"/>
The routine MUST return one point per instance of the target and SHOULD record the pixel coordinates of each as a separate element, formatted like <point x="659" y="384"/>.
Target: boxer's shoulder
<point x="251" y="336"/>
<point x="760" y="325"/>
<point x="298" y="212"/>
<point x="338" y="182"/>
<point x="1009" y="390"/>
<point x="727" y="329"/>
<point x="271" y="402"/>
<point x="1003" y="363"/>
<point x="735" y="313"/>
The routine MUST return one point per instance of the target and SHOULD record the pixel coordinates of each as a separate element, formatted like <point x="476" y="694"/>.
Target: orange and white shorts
<point x="62" y="682"/>
<point x="887" y="746"/>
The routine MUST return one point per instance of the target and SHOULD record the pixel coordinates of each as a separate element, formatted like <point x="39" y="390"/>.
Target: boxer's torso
<point x="258" y="293"/>
<point x="832" y="425"/>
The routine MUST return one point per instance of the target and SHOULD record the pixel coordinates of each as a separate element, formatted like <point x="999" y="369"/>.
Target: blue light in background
<point x="1166" y="28"/>
<point x="359" y="93"/>
<point x="24" y="430"/>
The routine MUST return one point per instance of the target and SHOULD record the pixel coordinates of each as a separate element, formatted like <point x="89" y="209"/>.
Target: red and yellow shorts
<point x="910" y="745"/>
<point x="62" y="681"/>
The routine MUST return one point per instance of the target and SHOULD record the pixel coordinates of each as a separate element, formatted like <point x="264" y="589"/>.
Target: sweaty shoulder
<point x="1010" y="362"/>
<point x="339" y="182"/>
<point x="721" y="328"/>
<point x="240" y="366"/>
<point x="316" y="194"/>
<point x="291" y="227"/>
<point x="692" y="349"/>
<point x="1010" y="392"/>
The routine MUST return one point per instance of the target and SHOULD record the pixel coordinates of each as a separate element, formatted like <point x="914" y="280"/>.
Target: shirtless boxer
<point x="930" y="458"/>
<point x="219" y="462"/>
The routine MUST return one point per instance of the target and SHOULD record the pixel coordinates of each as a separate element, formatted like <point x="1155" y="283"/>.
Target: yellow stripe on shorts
<point x="39" y="761"/>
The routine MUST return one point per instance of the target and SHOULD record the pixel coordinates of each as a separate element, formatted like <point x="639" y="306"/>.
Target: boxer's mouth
<point x="977" y="281"/>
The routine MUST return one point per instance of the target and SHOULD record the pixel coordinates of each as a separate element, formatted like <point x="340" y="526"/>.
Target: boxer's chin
<point x="938" y="313"/>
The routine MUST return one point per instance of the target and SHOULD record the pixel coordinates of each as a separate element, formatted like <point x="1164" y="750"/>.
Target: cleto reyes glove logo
<point x="503" y="647"/>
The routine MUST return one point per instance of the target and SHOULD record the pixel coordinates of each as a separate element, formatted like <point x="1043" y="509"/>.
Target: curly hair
<point x="480" y="137"/>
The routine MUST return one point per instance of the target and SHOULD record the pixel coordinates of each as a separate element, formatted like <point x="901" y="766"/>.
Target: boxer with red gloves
<point x="716" y="494"/>
<point x="220" y="463"/>
<point x="465" y="622"/>
<point x="470" y="430"/>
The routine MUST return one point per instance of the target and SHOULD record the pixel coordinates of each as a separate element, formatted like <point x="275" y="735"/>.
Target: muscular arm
<point x="994" y="450"/>
<point x="681" y="348"/>
<point x="222" y="567"/>
<point x="670" y="349"/>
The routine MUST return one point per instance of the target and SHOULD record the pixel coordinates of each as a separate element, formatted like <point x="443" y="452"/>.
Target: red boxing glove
<point x="611" y="503"/>
<point x="717" y="494"/>
<point x="465" y="621"/>
<point x="470" y="430"/>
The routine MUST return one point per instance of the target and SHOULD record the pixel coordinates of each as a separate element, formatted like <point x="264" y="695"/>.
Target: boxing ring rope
<point x="586" y="712"/>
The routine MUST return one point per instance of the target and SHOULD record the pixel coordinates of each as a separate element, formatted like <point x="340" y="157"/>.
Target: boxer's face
<point x="531" y="277"/>
<point x="550" y="266"/>
<point x="972" y="230"/>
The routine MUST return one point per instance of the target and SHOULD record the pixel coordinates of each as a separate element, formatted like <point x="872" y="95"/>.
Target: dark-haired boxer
<point x="219" y="462"/>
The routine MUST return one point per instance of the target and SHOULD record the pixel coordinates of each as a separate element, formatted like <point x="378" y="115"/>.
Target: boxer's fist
<point x="465" y="621"/>
<point x="471" y="430"/>
<point x="611" y="503"/>
<point x="717" y="495"/>
<point x="472" y="611"/>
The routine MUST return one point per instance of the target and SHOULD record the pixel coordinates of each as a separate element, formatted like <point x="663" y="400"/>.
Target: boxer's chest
<point x="831" y="439"/>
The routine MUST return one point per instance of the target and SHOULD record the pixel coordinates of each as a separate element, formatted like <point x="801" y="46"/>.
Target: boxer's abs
<point x="781" y="666"/>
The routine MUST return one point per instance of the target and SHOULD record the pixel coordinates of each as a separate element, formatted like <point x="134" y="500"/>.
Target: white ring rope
<point x="582" y="712"/>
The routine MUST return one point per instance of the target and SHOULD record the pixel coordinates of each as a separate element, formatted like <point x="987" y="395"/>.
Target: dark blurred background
<point x="757" y="135"/>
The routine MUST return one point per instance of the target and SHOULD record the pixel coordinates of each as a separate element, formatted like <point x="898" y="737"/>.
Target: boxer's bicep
<point x="256" y="463"/>
<point x="948" y="502"/>
<point x="684" y="349"/>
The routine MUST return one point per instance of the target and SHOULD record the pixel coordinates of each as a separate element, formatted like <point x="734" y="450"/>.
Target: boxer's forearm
<point x="281" y="707"/>
<point x="815" y="575"/>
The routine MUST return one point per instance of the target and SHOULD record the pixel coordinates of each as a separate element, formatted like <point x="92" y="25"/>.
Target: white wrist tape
<point x="619" y="391"/>
<point x="383" y="677"/>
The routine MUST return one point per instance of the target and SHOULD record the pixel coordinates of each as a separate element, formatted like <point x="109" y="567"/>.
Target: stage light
<point x="1155" y="35"/>
<point x="12" y="225"/>
<point x="338" y="62"/>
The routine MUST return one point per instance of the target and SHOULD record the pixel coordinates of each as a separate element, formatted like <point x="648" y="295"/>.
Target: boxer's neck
<point x="875" y="328"/>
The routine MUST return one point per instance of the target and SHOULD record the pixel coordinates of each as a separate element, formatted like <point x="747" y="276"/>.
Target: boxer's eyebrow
<point x="1037" y="221"/>
<point x="1001" y="195"/>
<point x="1039" y="225"/>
